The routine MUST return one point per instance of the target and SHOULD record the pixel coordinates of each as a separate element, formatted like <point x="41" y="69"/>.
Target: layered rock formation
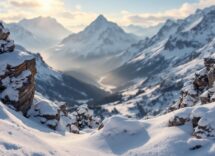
<point x="56" y="116"/>
<point x="17" y="72"/>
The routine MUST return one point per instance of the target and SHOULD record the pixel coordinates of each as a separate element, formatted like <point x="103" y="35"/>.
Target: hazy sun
<point x="46" y="4"/>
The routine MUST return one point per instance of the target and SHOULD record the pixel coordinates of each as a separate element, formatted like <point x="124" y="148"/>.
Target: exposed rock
<point x="84" y="118"/>
<point x="205" y="128"/>
<point x="47" y="112"/>
<point x="17" y="72"/>
<point x="56" y="116"/>
<point x="6" y="45"/>
<point x="201" y="118"/>
<point x="179" y="119"/>
<point x="209" y="62"/>
<point x="200" y="89"/>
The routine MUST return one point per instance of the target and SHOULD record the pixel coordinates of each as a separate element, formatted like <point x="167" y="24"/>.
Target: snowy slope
<point x="160" y="65"/>
<point x="120" y="136"/>
<point x="24" y="37"/>
<point x="35" y="34"/>
<point x="142" y="31"/>
<point x="41" y="27"/>
<point x="58" y="86"/>
<point x="99" y="38"/>
<point x="91" y="47"/>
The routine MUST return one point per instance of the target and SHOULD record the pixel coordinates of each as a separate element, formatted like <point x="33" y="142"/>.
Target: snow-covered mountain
<point x="142" y="31"/>
<point x="45" y="27"/>
<point x="154" y="77"/>
<point x="24" y="37"/>
<point x="158" y="66"/>
<point x="96" y="43"/>
<point x="35" y="34"/>
<point x="56" y="85"/>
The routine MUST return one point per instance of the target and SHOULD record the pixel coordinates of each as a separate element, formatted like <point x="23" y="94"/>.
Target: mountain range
<point x="142" y="31"/>
<point x="92" y="48"/>
<point x="157" y="67"/>
<point x="35" y="34"/>
<point x="58" y="86"/>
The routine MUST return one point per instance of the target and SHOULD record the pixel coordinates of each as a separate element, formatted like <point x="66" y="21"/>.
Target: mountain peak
<point x="100" y="23"/>
<point x="101" y="18"/>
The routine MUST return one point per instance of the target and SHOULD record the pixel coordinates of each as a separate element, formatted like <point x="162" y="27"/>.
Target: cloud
<point x="25" y="4"/>
<point x="149" y="19"/>
<point x="78" y="7"/>
<point x="78" y="18"/>
<point x="15" y="10"/>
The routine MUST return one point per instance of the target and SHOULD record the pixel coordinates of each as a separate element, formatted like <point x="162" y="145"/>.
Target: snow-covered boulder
<point x="201" y="118"/>
<point x="46" y="112"/>
<point x="180" y="118"/>
<point x="83" y="117"/>
<point x="206" y="125"/>
<point x="58" y="117"/>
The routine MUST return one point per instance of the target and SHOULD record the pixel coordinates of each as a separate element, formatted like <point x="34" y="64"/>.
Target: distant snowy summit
<point x="97" y="42"/>
<point x="38" y="33"/>
<point x="155" y="69"/>
<point x="45" y="27"/>
<point x="101" y="37"/>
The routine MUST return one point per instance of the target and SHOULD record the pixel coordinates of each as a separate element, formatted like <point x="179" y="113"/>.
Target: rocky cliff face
<point x="17" y="74"/>
<point x="17" y="89"/>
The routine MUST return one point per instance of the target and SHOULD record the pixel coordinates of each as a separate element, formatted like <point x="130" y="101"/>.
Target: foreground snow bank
<point x="119" y="136"/>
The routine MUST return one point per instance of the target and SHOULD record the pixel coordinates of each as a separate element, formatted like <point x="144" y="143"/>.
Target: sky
<point x="76" y="14"/>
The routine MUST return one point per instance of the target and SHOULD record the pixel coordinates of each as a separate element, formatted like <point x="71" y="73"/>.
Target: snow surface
<point x="120" y="136"/>
<point x="13" y="59"/>
<point x="12" y="85"/>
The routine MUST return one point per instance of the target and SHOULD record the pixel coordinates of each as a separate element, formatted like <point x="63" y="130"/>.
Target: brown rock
<point x="26" y="92"/>
<point x="209" y="62"/>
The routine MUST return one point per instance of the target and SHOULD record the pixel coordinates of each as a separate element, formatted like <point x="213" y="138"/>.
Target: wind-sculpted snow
<point x="119" y="136"/>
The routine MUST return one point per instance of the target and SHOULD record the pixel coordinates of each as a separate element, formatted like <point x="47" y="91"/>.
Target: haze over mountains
<point x="163" y="63"/>
<point x="38" y="33"/>
<point x="92" y="48"/>
<point x="142" y="31"/>
<point x="104" y="55"/>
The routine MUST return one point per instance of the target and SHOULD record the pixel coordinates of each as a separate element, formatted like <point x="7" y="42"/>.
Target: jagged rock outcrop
<point x="48" y="113"/>
<point x="83" y="117"/>
<point x="56" y="116"/>
<point x="6" y="45"/>
<point x="200" y="89"/>
<point x="17" y="72"/>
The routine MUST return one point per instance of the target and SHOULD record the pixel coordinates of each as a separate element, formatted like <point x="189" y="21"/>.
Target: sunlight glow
<point x="46" y="5"/>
